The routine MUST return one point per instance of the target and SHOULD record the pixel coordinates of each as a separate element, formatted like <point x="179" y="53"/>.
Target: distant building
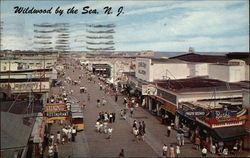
<point x="150" y="69"/>
<point x="233" y="67"/>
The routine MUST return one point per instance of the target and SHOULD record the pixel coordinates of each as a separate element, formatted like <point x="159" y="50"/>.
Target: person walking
<point x="178" y="151"/>
<point x="113" y="117"/>
<point x="131" y="111"/>
<point x="103" y="102"/>
<point x="225" y="152"/>
<point x="51" y="151"/>
<point x="171" y="151"/>
<point x="69" y="134"/>
<point x="197" y="143"/>
<point x="110" y="130"/>
<point x="134" y="124"/>
<point x="58" y="137"/>
<point x="105" y="126"/>
<point x="98" y="103"/>
<point x="97" y="126"/>
<point x="55" y="151"/>
<point x="116" y="97"/>
<point x="164" y="151"/>
<point x="143" y="130"/>
<point x="140" y="131"/>
<point x="121" y="154"/>
<point x="73" y="134"/>
<point x="182" y="138"/>
<point x="204" y="152"/>
<point x="178" y="138"/>
<point x="101" y="127"/>
<point x="136" y="134"/>
<point x="110" y="117"/>
<point x="169" y="130"/>
<point x="124" y="100"/>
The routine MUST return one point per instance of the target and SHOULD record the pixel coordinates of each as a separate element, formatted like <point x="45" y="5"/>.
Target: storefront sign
<point x="143" y="72"/>
<point x="58" y="107"/>
<point x="57" y="114"/>
<point x="222" y="114"/>
<point x="26" y="86"/>
<point x="100" y="69"/>
<point x="149" y="90"/>
<point x="222" y="121"/>
<point x="194" y="113"/>
<point x="142" y="64"/>
<point x="219" y="115"/>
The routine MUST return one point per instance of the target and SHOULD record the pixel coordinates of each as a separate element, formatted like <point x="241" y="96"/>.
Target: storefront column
<point x="158" y="109"/>
<point x="177" y="121"/>
<point x="211" y="143"/>
<point x="149" y="103"/>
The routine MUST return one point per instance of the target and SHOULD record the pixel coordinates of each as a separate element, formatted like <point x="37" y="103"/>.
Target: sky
<point x="171" y="26"/>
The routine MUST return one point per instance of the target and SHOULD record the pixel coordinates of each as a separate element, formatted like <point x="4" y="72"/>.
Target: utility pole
<point x="9" y="88"/>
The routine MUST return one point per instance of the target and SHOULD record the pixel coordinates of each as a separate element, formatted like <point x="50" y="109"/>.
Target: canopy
<point x="229" y="133"/>
<point x="77" y="115"/>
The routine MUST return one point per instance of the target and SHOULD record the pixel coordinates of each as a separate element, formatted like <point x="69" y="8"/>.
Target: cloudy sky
<point x="208" y="26"/>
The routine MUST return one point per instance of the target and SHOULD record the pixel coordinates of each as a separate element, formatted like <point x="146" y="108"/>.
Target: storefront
<point x="185" y="118"/>
<point x="169" y="110"/>
<point x="103" y="70"/>
<point x="221" y="127"/>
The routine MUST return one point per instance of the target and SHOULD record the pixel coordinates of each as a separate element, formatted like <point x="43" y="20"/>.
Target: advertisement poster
<point x="145" y="74"/>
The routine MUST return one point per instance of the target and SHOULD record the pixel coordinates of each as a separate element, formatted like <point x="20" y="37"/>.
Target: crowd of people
<point x="103" y="119"/>
<point x="66" y="135"/>
<point x="139" y="130"/>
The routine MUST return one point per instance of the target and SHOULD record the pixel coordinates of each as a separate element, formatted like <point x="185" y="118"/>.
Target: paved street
<point x="89" y="143"/>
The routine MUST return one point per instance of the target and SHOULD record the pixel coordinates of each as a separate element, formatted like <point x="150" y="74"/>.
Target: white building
<point x="170" y="93"/>
<point x="234" y="71"/>
<point x="232" y="67"/>
<point x="150" y="69"/>
<point x="27" y="63"/>
<point x="118" y="65"/>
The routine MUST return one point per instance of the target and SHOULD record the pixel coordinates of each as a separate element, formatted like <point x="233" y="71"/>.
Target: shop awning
<point x="157" y="99"/>
<point x="230" y="133"/>
<point x="169" y="107"/>
<point x="182" y="113"/>
<point x="57" y="118"/>
<point x="38" y="129"/>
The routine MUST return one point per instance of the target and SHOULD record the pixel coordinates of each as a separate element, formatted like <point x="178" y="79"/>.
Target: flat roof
<point x="193" y="57"/>
<point x="163" y="60"/>
<point x="12" y="80"/>
<point x="15" y="130"/>
<point x="28" y="70"/>
<point x="196" y="84"/>
<point x="20" y="107"/>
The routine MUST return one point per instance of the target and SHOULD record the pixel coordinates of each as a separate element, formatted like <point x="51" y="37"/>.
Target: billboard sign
<point x="149" y="90"/>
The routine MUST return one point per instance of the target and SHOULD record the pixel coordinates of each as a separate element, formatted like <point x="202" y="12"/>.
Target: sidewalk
<point x="89" y="143"/>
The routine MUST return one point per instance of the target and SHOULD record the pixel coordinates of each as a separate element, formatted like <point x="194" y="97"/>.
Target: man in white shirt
<point x="204" y="152"/>
<point x="110" y="130"/>
<point x="136" y="134"/>
<point x="73" y="134"/>
<point x="103" y="102"/>
<point x="97" y="125"/>
<point x="164" y="150"/>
